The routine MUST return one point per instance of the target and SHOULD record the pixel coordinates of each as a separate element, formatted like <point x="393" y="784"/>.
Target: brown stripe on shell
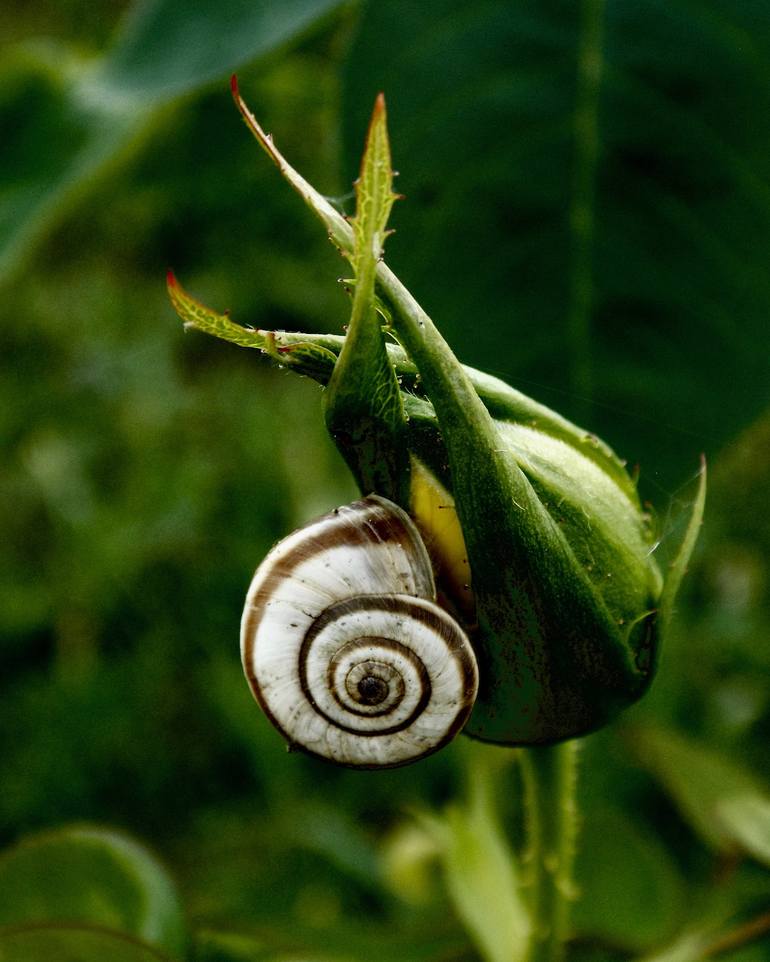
<point x="381" y="643"/>
<point x="348" y="526"/>
<point x="395" y="604"/>
<point x="343" y="526"/>
<point x="435" y="618"/>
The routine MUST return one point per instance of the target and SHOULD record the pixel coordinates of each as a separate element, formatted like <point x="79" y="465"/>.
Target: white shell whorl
<point x="344" y="646"/>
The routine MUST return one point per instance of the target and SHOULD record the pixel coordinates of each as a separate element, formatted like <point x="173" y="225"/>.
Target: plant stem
<point x="551" y="824"/>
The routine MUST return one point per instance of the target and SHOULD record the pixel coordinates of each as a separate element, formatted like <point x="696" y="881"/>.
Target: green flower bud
<point x="540" y="545"/>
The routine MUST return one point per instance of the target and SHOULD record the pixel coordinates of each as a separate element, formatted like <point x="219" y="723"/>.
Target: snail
<point x="344" y="646"/>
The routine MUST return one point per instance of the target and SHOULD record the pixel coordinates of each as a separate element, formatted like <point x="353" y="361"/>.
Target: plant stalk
<point x="549" y="774"/>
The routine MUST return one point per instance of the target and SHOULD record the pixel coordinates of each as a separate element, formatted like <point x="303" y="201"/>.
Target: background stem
<point x="549" y="781"/>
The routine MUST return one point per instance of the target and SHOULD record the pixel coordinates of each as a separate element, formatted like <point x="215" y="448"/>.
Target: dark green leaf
<point x="72" y="944"/>
<point x="678" y="566"/>
<point x="74" y="121"/>
<point x="94" y="876"/>
<point x="746" y="818"/>
<point x="630" y="892"/>
<point x="723" y="802"/>
<point x="212" y="946"/>
<point x="171" y="47"/>
<point x="64" y="132"/>
<point x="589" y="186"/>
<point x="481" y="870"/>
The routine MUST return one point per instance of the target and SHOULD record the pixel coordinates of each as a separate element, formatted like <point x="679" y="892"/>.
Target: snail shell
<point x="344" y="646"/>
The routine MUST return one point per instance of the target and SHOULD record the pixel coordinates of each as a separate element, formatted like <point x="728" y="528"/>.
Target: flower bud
<point x="540" y="544"/>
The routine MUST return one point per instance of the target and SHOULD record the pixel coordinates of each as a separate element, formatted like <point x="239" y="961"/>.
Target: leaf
<point x="350" y="940"/>
<point x="689" y="947"/>
<point x="332" y="833"/>
<point x="722" y="801"/>
<point x="213" y="946"/>
<point x="74" y="121"/>
<point x="746" y="818"/>
<point x="171" y="47"/>
<point x="72" y="944"/>
<point x="314" y="355"/>
<point x="480" y="870"/>
<point x="745" y="942"/>
<point x="678" y="566"/>
<point x="91" y="875"/>
<point x="630" y="892"/>
<point x="589" y="186"/>
<point x="64" y="134"/>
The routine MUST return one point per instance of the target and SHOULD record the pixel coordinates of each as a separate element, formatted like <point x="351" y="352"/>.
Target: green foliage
<point x="723" y="803"/>
<point x="146" y="472"/>
<point x="84" y="894"/>
<point x="589" y="187"/>
<point x="91" y="877"/>
<point x="480" y="868"/>
<point x="73" y="944"/>
<point x="631" y="894"/>
<point x="167" y="48"/>
<point x="681" y="557"/>
<point x="746" y="819"/>
<point x="87" y="115"/>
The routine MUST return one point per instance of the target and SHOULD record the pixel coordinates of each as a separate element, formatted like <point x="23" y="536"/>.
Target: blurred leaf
<point x="687" y="948"/>
<point x="480" y="868"/>
<point x="72" y="944"/>
<point x="171" y="47"/>
<point x="91" y="875"/>
<point x="590" y="186"/>
<point x="681" y="559"/>
<point x="354" y="940"/>
<point x="74" y="121"/>
<point x="408" y="857"/>
<point x="722" y="802"/>
<point x="65" y="132"/>
<point x="212" y="946"/>
<point x="747" y="820"/>
<point x="330" y="832"/>
<point x="630" y="892"/>
<point x="746" y="941"/>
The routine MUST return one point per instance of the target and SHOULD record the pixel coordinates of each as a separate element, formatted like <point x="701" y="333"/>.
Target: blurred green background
<point x="587" y="214"/>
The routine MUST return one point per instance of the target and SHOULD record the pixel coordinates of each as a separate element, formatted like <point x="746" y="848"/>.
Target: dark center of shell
<point x="372" y="690"/>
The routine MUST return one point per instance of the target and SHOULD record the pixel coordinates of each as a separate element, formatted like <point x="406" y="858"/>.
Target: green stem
<point x="549" y="779"/>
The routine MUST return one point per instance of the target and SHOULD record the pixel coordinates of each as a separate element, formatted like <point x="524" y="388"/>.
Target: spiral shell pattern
<point x="344" y="646"/>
